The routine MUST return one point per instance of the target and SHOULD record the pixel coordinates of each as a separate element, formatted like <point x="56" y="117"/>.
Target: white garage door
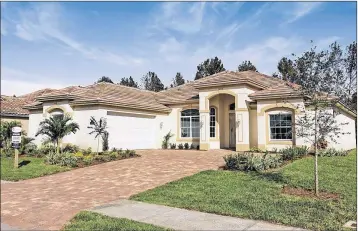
<point x="131" y="131"/>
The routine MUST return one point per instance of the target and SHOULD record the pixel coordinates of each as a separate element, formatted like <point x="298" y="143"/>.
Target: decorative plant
<point x="192" y="146"/>
<point x="55" y="128"/>
<point x="173" y="146"/>
<point x="166" y="139"/>
<point x="98" y="128"/>
<point x="181" y="146"/>
<point x="186" y="146"/>
<point x="105" y="141"/>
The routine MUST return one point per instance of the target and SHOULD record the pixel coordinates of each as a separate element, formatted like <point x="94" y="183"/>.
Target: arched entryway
<point x="222" y="125"/>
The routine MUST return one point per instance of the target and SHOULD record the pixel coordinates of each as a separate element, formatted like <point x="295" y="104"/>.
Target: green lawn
<point x="258" y="196"/>
<point x="95" y="221"/>
<point x="33" y="167"/>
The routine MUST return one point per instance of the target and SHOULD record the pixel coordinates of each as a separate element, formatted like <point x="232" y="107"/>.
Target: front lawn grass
<point x="30" y="167"/>
<point x="258" y="195"/>
<point x="95" y="221"/>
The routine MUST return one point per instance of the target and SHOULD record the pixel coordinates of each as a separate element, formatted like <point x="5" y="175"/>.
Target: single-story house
<point x="238" y="110"/>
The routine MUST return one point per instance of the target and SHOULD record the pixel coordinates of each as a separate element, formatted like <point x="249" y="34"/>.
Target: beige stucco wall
<point x="240" y="94"/>
<point x="253" y="128"/>
<point x="24" y="121"/>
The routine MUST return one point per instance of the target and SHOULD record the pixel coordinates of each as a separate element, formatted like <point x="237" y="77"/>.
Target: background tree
<point x="99" y="128"/>
<point x="340" y="70"/>
<point x="246" y="66"/>
<point x="57" y="127"/>
<point x="350" y="65"/>
<point x="151" y="82"/>
<point x="209" y="67"/>
<point x="315" y="71"/>
<point x="286" y="70"/>
<point x="104" y="79"/>
<point x="129" y="82"/>
<point x="178" y="80"/>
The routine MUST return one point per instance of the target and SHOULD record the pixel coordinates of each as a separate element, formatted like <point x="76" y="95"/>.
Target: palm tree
<point x="98" y="128"/>
<point x="6" y="131"/>
<point x="57" y="127"/>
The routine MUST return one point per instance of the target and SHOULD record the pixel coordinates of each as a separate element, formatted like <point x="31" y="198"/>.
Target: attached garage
<point x="132" y="131"/>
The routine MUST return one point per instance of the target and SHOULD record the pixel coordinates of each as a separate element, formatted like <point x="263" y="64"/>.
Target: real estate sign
<point x="16" y="137"/>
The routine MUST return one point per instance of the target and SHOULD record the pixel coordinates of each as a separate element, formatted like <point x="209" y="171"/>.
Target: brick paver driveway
<point x="48" y="202"/>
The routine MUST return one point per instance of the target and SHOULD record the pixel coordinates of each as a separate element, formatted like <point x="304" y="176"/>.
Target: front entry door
<point x="232" y="130"/>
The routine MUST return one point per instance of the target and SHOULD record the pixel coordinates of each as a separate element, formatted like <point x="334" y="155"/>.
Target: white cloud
<point x="43" y="22"/>
<point x="184" y="17"/>
<point x="17" y="82"/>
<point x="301" y="9"/>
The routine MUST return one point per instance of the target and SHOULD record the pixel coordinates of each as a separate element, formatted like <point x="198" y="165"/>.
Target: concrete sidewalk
<point x="181" y="219"/>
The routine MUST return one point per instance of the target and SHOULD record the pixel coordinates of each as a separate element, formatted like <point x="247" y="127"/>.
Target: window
<point x="232" y="106"/>
<point x="281" y="126"/>
<point x="57" y="113"/>
<point x="190" y="123"/>
<point x="212" y="121"/>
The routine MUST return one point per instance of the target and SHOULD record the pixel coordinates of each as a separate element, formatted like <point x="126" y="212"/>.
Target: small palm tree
<point x="56" y="128"/>
<point x="6" y="131"/>
<point x="98" y="128"/>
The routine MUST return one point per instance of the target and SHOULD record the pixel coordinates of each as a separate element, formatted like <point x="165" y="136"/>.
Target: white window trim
<point x="269" y="126"/>
<point x="190" y="128"/>
<point x="215" y="114"/>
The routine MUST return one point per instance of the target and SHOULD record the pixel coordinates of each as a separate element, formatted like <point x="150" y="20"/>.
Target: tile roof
<point x="13" y="106"/>
<point x="181" y="94"/>
<point x="118" y="95"/>
<point x="109" y="94"/>
<point x="282" y="90"/>
<point x="237" y="77"/>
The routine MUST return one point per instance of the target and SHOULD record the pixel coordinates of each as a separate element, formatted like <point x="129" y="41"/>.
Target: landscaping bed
<point x="258" y="195"/>
<point x="95" y="221"/>
<point x="46" y="161"/>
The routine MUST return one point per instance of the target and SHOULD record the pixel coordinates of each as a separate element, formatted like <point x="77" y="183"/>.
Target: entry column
<point x="242" y="124"/>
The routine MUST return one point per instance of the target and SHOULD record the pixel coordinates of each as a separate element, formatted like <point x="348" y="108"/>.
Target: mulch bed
<point x="309" y="193"/>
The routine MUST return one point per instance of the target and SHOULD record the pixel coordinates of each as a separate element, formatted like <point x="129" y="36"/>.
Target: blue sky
<point x="56" y="44"/>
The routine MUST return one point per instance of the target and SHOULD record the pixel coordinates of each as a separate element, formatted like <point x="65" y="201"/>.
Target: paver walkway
<point x="182" y="219"/>
<point x="48" y="202"/>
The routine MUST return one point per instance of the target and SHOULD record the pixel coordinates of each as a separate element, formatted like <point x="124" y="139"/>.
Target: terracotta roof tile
<point x="13" y="106"/>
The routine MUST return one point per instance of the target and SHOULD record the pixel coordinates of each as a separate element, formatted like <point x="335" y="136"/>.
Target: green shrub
<point x="255" y="149"/>
<point x="114" y="149"/>
<point x="294" y="153"/>
<point x="113" y="155"/>
<point x="87" y="160"/>
<point x="53" y="158"/>
<point x="70" y="148"/>
<point x="62" y="159"/>
<point x="102" y="158"/>
<point x="87" y="151"/>
<point x="7" y="152"/>
<point x="46" y="149"/>
<point x="251" y="162"/>
<point x="127" y="153"/>
<point x="173" y="146"/>
<point x="192" y="146"/>
<point x="186" y="146"/>
<point x="181" y="146"/>
<point x="79" y="155"/>
<point x="31" y="150"/>
<point x="68" y="159"/>
<point x="332" y="152"/>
